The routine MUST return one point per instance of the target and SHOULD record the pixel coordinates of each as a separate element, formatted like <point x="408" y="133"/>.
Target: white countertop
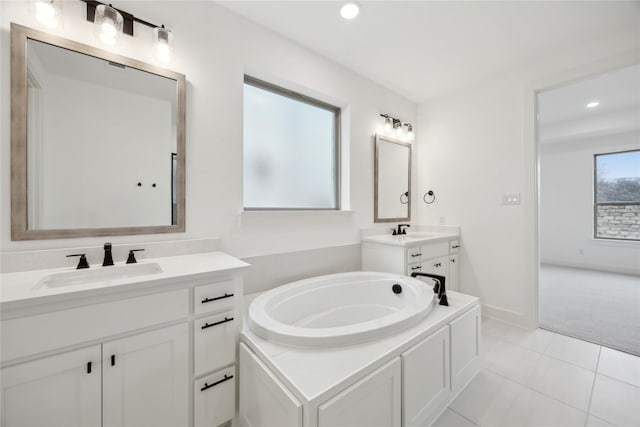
<point x="317" y="373"/>
<point x="411" y="238"/>
<point x="21" y="289"/>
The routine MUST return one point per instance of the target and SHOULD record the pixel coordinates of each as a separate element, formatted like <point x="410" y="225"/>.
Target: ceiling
<point x="421" y="49"/>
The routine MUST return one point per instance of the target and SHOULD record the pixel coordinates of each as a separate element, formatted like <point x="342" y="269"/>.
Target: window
<point x="617" y="195"/>
<point x="291" y="146"/>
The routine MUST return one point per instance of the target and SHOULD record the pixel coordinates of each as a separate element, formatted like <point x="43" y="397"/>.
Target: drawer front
<point x="214" y="342"/>
<point x="57" y="329"/>
<point x="434" y="250"/>
<point x="214" y="297"/>
<point x="454" y="246"/>
<point x="214" y="398"/>
<point x="415" y="267"/>
<point x="414" y="254"/>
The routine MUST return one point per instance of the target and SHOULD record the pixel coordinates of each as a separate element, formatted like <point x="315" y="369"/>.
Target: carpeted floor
<point x="592" y="305"/>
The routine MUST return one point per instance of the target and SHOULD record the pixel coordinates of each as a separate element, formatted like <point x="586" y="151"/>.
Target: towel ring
<point x="430" y="195"/>
<point x="406" y="198"/>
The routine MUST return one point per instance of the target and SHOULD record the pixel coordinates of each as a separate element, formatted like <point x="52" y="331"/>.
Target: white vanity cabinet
<point x="435" y="256"/>
<point x="161" y="354"/>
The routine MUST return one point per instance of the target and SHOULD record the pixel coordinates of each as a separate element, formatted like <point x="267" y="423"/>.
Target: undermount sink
<point x="99" y="274"/>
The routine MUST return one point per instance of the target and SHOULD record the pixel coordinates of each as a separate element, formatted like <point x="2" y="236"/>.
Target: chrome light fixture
<point x="109" y="23"/>
<point x="392" y="123"/>
<point x="410" y="135"/>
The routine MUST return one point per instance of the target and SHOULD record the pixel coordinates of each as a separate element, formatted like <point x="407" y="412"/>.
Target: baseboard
<point x="505" y="315"/>
<point x="592" y="267"/>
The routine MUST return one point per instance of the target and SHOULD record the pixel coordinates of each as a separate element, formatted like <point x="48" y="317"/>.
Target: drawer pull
<point x="208" y="325"/>
<point x="89" y="367"/>
<point x="113" y="360"/>
<point x="437" y="264"/>
<point x="455" y="246"/>
<point x="416" y="268"/>
<point x="415" y="255"/>
<point x="226" y="295"/>
<point x="208" y="386"/>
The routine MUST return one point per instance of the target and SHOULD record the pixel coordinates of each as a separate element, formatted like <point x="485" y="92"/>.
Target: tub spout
<point x="438" y="288"/>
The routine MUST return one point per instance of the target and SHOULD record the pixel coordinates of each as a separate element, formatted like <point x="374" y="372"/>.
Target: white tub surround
<point x="339" y="309"/>
<point x="407" y="378"/>
<point x="426" y="249"/>
<point x="162" y="332"/>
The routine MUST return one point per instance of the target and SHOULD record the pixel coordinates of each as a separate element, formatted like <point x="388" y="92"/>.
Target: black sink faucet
<point x="400" y="229"/>
<point x="438" y="288"/>
<point x="108" y="259"/>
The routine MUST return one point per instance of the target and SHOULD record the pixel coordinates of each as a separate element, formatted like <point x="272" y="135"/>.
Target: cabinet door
<point x="465" y="348"/>
<point x="56" y="391"/>
<point x="145" y="379"/>
<point x="372" y="401"/>
<point x="425" y="379"/>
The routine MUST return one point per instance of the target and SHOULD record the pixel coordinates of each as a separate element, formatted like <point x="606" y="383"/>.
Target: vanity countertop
<point x="411" y="238"/>
<point x="22" y="289"/>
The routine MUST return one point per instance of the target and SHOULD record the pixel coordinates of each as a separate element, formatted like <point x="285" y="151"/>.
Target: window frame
<point x="595" y="198"/>
<point x="337" y="158"/>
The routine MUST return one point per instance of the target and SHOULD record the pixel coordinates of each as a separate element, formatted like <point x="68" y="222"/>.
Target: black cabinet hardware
<point x="226" y="295"/>
<point x="455" y="246"/>
<point x="83" y="261"/>
<point x="453" y="260"/>
<point x="132" y="257"/>
<point x="437" y="264"/>
<point x="89" y="367"/>
<point x="415" y="255"/>
<point x="208" y="386"/>
<point x="208" y="325"/>
<point x="416" y="268"/>
<point x="113" y="360"/>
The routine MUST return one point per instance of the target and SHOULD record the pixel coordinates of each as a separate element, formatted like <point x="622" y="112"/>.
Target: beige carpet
<point x="596" y="306"/>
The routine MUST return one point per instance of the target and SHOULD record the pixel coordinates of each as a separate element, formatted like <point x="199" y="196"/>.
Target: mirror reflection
<point x="392" y="180"/>
<point x="97" y="141"/>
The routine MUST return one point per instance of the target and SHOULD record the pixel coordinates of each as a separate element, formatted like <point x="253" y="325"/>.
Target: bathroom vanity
<point x="406" y="378"/>
<point x="435" y="252"/>
<point x="122" y="345"/>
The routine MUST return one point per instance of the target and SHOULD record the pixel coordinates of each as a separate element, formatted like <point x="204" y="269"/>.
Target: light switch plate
<point x="511" y="199"/>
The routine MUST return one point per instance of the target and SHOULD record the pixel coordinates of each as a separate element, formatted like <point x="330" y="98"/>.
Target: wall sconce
<point x="398" y="127"/>
<point x="48" y="12"/>
<point x="111" y="22"/>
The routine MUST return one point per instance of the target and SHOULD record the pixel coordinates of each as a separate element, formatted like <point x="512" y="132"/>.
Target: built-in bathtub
<point x="340" y="309"/>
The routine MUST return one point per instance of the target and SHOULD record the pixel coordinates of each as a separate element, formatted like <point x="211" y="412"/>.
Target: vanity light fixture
<point x="392" y="123"/>
<point x="350" y="10"/>
<point x="388" y="122"/>
<point x="410" y="135"/>
<point x="48" y="12"/>
<point x="111" y="22"/>
<point x="593" y="104"/>
<point x="397" y="126"/>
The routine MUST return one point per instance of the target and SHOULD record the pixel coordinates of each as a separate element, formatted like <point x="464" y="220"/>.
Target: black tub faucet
<point x="438" y="288"/>
<point x="108" y="258"/>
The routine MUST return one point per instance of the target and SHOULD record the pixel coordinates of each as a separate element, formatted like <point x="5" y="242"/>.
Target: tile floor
<point x="540" y="378"/>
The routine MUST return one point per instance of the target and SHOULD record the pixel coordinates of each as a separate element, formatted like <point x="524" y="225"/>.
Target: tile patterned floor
<point x="540" y="378"/>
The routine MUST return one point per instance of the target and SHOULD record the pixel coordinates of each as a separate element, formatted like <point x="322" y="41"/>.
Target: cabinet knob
<point x="452" y="260"/>
<point x="437" y="264"/>
<point x="113" y="360"/>
<point x="89" y="367"/>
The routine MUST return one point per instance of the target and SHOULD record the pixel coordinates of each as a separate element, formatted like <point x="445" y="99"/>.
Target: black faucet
<point x="400" y="229"/>
<point x="108" y="259"/>
<point x="438" y="288"/>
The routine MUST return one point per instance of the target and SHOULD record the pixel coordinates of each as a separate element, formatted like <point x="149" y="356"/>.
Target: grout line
<point x="454" y="411"/>
<point x="593" y="386"/>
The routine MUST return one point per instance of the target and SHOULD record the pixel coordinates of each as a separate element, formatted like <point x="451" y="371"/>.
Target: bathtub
<point x="340" y="309"/>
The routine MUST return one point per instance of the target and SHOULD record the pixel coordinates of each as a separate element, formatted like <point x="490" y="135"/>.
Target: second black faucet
<point x="108" y="258"/>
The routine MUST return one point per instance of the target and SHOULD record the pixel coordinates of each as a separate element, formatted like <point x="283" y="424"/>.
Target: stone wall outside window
<point x="618" y="222"/>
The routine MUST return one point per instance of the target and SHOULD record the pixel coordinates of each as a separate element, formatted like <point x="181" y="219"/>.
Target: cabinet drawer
<point x="214" y="342"/>
<point x="214" y="297"/>
<point x="414" y="254"/>
<point x="214" y="398"/>
<point x="454" y="246"/>
<point x="434" y="250"/>
<point x="57" y="329"/>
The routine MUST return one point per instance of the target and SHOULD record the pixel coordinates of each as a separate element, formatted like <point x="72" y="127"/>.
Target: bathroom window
<point x="291" y="146"/>
<point x="617" y="195"/>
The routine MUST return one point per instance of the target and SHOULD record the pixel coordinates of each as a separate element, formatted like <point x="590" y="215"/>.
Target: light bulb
<point x="399" y="130"/>
<point x="109" y="24"/>
<point x="350" y="10"/>
<point x="387" y="124"/>
<point x="46" y="13"/>
<point x="162" y="44"/>
<point x="410" y="135"/>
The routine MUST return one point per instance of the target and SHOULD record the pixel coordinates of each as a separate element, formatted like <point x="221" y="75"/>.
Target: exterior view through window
<point x="291" y="146"/>
<point x="617" y="195"/>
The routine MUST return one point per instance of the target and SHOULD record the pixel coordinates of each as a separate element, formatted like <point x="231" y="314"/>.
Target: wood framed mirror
<point x="392" y="180"/>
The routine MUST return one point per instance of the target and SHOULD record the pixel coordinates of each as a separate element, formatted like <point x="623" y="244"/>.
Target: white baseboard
<point x="590" y="266"/>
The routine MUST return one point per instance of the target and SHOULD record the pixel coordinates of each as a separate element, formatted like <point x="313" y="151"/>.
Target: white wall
<point x="476" y="144"/>
<point x="566" y="206"/>
<point x="214" y="48"/>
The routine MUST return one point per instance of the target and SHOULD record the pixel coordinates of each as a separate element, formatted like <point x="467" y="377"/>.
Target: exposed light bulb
<point x="399" y="130"/>
<point x="410" y="135"/>
<point x="109" y="24"/>
<point x="387" y="124"/>
<point x="162" y="44"/>
<point x="593" y="104"/>
<point x="350" y="10"/>
<point x="46" y="13"/>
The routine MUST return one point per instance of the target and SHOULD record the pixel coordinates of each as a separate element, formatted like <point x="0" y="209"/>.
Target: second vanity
<point x="155" y="348"/>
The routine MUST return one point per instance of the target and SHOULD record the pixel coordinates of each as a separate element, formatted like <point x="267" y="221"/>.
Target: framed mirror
<point x="392" y="180"/>
<point x="97" y="141"/>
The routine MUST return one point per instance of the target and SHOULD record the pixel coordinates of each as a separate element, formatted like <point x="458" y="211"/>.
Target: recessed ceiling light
<point x="350" y="10"/>
<point x="593" y="104"/>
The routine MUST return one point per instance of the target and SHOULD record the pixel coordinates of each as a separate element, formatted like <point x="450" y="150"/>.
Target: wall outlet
<point x="511" y="199"/>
